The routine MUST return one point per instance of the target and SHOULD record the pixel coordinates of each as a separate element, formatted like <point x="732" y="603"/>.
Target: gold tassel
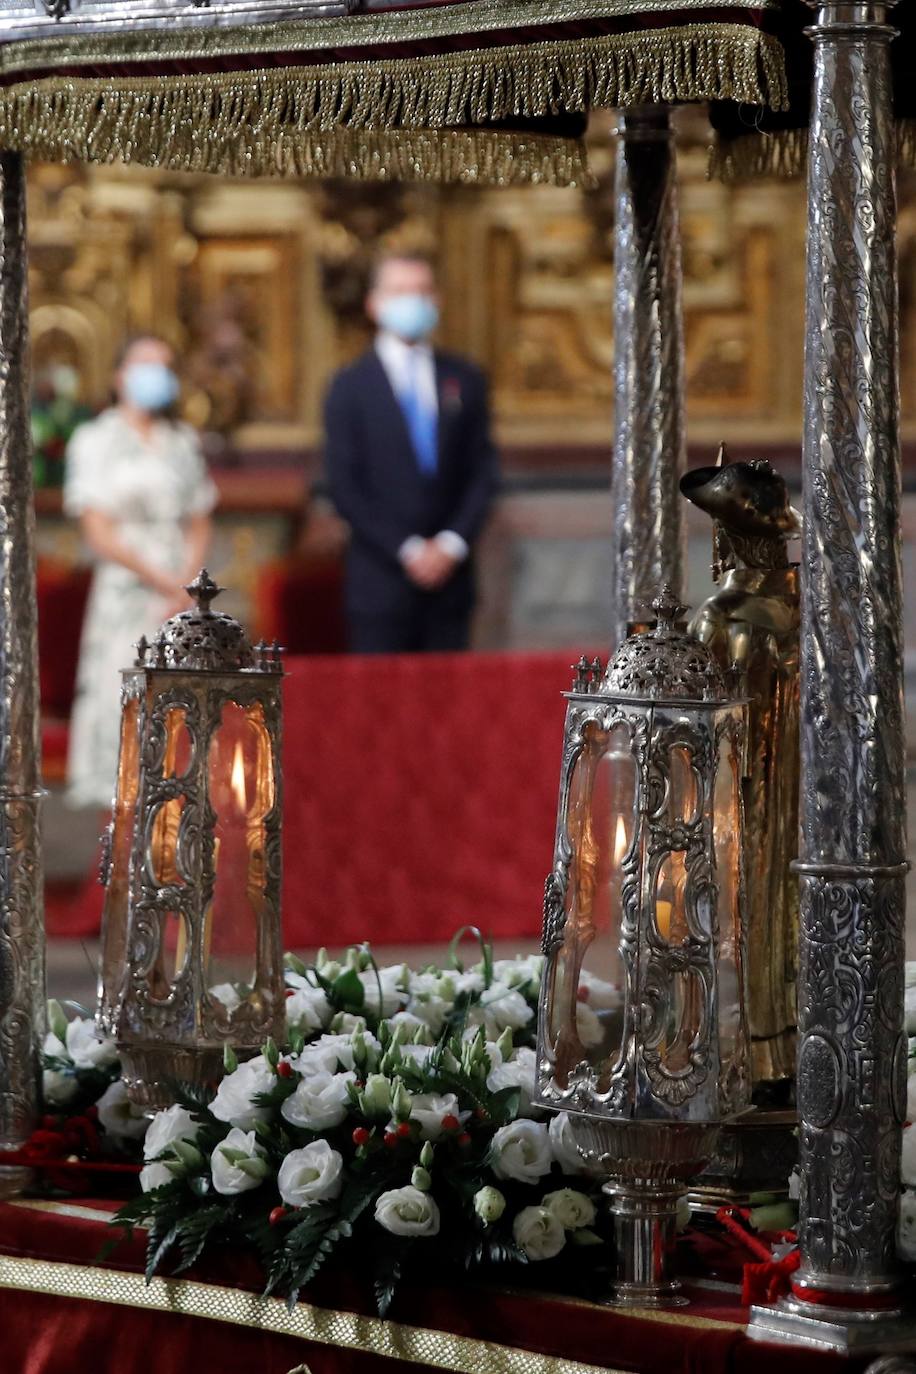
<point x="784" y="155"/>
<point x="267" y="122"/>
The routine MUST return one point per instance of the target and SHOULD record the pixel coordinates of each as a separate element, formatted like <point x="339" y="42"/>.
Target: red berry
<point x="290" y="992"/>
<point x="390" y="1139"/>
<point x="450" y="1122"/>
<point x="360" y="1136"/>
<point x="582" y="994"/>
<point x="403" y="1129"/>
<point x="284" y="1069"/>
<point x="276" y="1215"/>
<point x="464" y="1138"/>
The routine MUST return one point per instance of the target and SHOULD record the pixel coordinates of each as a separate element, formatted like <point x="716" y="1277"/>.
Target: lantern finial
<point x="668" y="608"/>
<point x="203" y="590"/>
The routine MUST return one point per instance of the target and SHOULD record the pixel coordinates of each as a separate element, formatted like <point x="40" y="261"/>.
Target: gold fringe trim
<point x="445" y="157"/>
<point x="243" y="122"/>
<point x="201" y="41"/>
<point x="322" y="1326"/>
<point x="784" y="155"/>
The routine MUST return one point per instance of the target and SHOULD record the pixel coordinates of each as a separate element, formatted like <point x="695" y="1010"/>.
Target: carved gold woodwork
<point x="258" y="285"/>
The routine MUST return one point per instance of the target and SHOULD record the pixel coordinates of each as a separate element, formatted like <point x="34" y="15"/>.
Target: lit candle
<point x="663" y="919"/>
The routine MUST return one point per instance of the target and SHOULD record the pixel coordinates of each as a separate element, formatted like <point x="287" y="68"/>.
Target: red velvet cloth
<point x="420" y="794"/>
<point x="62" y="1335"/>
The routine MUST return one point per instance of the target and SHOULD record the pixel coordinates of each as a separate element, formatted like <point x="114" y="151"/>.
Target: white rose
<point x="313" y="1174"/>
<point x="154" y="1176"/>
<point x="234" y="1096"/>
<point x="407" y="1212"/>
<point x="433" y="983"/>
<point x="428" y="1109"/>
<point x="58" y="1088"/>
<point x="53" y="1047"/>
<point x="308" y="1009"/>
<point x="175" y="1123"/>
<point x="906" y="1227"/>
<point x="588" y="1027"/>
<point x="429" y="1011"/>
<point x="563" y="1144"/>
<point x="517" y="1072"/>
<point x="394" y="991"/>
<point x="230" y="1178"/>
<point x="329" y="1053"/>
<point x="472" y="981"/>
<point x="85" y="1047"/>
<point x="228" y="995"/>
<point x="319" y="1102"/>
<point x="506" y="1007"/>
<point x="489" y="1204"/>
<point x="522" y="1151"/>
<point x="571" y="1208"/>
<point x="538" y="1233"/>
<point x="118" y="1115"/>
<point x="908" y="1156"/>
<point x="518" y="971"/>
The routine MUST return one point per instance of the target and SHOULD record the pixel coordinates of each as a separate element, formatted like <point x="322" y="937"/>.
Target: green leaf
<point x="348" y="989"/>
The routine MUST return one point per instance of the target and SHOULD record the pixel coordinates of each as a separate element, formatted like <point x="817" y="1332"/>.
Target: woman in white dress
<point x="138" y="484"/>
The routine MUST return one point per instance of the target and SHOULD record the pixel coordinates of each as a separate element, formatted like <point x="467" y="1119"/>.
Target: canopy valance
<point x="754" y="141"/>
<point x="482" y="90"/>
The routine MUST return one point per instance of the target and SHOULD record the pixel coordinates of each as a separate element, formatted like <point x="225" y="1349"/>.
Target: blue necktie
<point x="422" y="423"/>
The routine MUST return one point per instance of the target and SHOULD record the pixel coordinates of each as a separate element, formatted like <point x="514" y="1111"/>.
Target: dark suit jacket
<point x="377" y="486"/>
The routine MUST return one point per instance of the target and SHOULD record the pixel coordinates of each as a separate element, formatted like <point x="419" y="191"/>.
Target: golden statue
<point x="752" y="625"/>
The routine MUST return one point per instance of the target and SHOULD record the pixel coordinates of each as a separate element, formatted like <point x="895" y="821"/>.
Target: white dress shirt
<point x="408" y="366"/>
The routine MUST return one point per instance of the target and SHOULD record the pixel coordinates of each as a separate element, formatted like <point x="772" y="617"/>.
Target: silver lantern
<point x="642" y="1035"/>
<point x="191" y="943"/>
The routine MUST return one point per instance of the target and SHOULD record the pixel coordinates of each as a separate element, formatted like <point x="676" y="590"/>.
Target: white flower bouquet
<point x="395" y="1131"/>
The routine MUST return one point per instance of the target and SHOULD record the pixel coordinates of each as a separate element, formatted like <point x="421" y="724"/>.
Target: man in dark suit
<point x="412" y="468"/>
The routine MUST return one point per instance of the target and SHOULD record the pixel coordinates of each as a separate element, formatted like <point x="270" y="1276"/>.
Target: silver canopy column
<point x="649" y="446"/>
<point x="852" y="1054"/>
<point x="22" y="941"/>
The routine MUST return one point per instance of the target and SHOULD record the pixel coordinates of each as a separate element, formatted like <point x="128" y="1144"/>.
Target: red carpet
<point x="420" y="795"/>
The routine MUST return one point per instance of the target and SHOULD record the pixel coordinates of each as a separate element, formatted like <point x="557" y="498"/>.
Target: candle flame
<point x="620" y="841"/>
<point x="237" y="778"/>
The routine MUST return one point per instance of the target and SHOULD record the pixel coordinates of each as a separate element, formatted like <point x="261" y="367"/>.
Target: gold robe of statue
<point x="752" y="625"/>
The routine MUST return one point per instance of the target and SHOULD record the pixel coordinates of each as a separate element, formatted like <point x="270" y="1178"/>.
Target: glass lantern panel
<point x="726" y="829"/>
<point x="164" y="856"/>
<point x="683" y="792"/>
<point x="172" y="955"/>
<point x="242" y="793"/>
<point x="588" y="972"/>
<point x="682" y="910"/>
<point x="114" y="936"/>
<point x="179" y="745"/>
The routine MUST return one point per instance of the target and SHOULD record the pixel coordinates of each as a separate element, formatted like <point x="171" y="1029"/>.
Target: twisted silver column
<point x="648" y="539"/>
<point x="852" y="1052"/>
<point x="22" y="950"/>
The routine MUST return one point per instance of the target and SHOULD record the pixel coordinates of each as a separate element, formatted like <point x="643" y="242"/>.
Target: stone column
<point x="649" y="543"/>
<point x="852" y="1050"/>
<point x="22" y="941"/>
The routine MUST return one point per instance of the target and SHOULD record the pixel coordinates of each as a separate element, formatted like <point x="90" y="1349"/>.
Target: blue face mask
<point x="410" y="317"/>
<point x="152" y="387"/>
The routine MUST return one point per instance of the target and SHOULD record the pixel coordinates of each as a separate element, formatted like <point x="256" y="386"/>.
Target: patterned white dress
<point x="151" y="488"/>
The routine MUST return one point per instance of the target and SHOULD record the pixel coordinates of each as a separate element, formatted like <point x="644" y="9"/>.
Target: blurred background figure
<point x="412" y="468"/>
<point x="138" y="484"/>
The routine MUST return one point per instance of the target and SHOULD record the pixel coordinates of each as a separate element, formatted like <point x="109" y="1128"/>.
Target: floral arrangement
<point x="397" y="1120"/>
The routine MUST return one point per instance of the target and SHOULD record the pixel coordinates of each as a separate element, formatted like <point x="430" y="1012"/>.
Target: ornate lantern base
<point x="648" y="1164"/>
<point x="755" y="1154"/>
<point x="150" y="1073"/>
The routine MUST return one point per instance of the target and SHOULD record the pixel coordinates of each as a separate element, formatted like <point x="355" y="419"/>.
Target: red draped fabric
<point x="420" y="794"/>
<point x="47" y="1332"/>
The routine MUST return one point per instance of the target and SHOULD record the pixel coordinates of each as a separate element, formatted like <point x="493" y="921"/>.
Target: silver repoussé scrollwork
<point x="22" y="972"/>
<point x="852" y="1055"/>
<point x="648" y="539"/>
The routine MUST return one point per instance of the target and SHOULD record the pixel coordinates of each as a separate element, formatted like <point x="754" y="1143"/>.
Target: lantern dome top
<point x="666" y="661"/>
<point x="202" y="640"/>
